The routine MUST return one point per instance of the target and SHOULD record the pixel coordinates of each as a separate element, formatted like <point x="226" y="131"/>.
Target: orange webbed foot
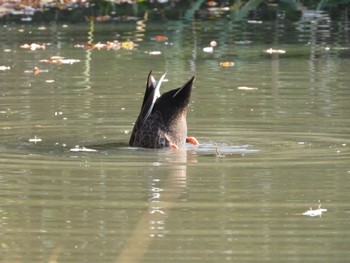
<point x="174" y="146"/>
<point x="192" y="140"/>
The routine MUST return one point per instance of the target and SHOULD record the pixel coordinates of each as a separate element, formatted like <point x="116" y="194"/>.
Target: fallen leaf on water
<point x="208" y="49"/>
<point x="247" y="88"/>
<point x="127" y="45"/>
<point x="313" y="213"/>
<point x="103" y="18"/>
<point x="254" y="21"/>
<point x="36" y="70"/>
<point x="35" y="139"/>
<point x="115" y="45"/>
<point x="68" y="61"/>
<point x="227" y="64"/>
<point x="60" y="60"/>
<point x="275" y="51"/>
<point x="212" y="3"/>
<point x="3" y="68"/>
<point x="160" y="38"/>
<point x="156" y="52"/>
<point x="33" y="46"/>
<point x="216" y="10"/>
<point x="77" y="148"/>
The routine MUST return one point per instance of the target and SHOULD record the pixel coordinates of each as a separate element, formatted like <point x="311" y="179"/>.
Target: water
<point x="266" y="156"/>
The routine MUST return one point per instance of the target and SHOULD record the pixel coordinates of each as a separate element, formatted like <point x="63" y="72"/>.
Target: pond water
<point x="274" y="133"/>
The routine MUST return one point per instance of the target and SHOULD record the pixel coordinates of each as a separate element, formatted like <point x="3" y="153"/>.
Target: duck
<point x="162" y="119"/>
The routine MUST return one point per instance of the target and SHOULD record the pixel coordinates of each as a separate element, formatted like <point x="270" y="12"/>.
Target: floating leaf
<point x="155" y="52"/>
<point x="60" y="60"/>
<point x="275" y="51"/>
<point x="77" y="148"/>
<point x="160" y="38"/>
<point x="313" y="213"/>
<point x="227" y="64"/>
<point x="247" y="88"/>
<point x="33" y="46"/>
<point x="3" y="68"/>
<point x="35" y="139"/>
<point x="208" y="49"/>
<point x="254" y="21"/>
<point x="127" y="45"/>
<point x="115" y="45"/>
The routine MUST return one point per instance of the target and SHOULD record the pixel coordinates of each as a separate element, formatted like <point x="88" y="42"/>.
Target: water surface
<point x="267" y="154"/>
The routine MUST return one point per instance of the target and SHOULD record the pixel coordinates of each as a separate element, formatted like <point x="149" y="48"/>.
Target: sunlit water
<point x="267" y="153"/>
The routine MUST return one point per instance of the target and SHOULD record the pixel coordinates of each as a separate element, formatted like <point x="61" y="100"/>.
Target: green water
<point x="267" y="154"/>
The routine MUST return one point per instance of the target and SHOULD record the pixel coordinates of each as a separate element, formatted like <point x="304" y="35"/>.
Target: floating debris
<point x="115" y="45"/>
<point x="3" y="68"/>
<point x="35" y="139"/>
<point x="313" y="213"/>
<point x="67" y="61"/>
<point x="35" y="70"/>
<point x="60" y="60"/>
<point x="211" y="3"/>
<point x="247" y="88"/>
<point x="275" y="51"/>
<point x="218" y="10"/>
<point x="127" y="45"/>
<point x="103" y="18"/>
<point x="254" y="21"/>
<point x="227" y="64"/>
<point x="154" y="53"/>
<point x="159" y="38"/>
<point x="210" y="49"/>
<point x="77" y="148"/>
<point x="33" y="46"/>
<point x="27" y="19"/>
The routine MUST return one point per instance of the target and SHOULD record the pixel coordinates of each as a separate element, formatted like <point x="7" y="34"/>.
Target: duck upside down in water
<point x="162" y="120"/>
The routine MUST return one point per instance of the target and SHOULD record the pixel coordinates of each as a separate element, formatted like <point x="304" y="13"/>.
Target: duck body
<point x="162" y="119"/>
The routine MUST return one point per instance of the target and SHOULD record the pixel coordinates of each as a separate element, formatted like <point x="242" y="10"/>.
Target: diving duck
<point x="162" y="120"/>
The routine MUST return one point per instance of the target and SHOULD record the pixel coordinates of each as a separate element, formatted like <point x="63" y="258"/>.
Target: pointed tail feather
<point x="154" y="95"/>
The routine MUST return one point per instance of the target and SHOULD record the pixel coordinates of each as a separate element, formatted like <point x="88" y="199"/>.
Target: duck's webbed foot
<point x="174" y="146"/>
<point x="192" y="140"/>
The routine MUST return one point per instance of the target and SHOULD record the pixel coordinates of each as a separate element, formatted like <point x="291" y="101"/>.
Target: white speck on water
<point x="35" y="139"/>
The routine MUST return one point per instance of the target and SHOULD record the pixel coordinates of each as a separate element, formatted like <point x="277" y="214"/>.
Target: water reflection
<point x="284" y="145"/>
<point x="87" y="68"/>
<point x="166" y="187"/>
